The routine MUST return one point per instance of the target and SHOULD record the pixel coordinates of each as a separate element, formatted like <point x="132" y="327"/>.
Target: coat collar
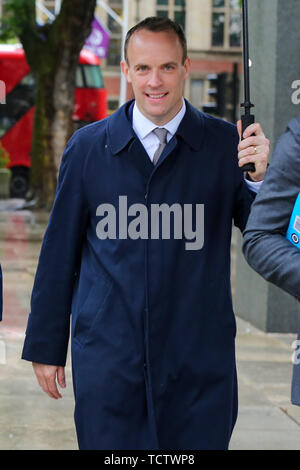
<point x="119" y="127"/>
<point x="120" y="131"/>
<point x="191" y="128"/>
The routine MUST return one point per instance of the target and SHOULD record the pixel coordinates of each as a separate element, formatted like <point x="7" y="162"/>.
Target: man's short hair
<point x="158" y="24"/>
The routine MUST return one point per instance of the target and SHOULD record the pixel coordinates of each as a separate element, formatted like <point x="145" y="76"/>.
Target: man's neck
<point x="161" y="123"/>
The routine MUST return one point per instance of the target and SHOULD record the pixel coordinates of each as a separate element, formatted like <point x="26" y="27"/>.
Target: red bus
<point x="16" y="115"/>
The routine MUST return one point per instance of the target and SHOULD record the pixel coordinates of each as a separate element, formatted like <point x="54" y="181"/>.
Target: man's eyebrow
<point x="162" y="65"/>
<point x="170" y="63"/>
<point x="140" y="65"/>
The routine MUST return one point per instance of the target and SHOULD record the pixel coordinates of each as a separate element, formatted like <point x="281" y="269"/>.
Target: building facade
<point x="213" y="29"/>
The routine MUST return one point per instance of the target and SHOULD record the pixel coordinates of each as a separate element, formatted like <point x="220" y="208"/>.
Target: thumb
<point x="61" y="379"/>
<point x="239" y="128"/>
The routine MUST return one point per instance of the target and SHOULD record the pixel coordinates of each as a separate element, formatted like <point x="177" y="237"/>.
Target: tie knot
<point x="161" y="133"/>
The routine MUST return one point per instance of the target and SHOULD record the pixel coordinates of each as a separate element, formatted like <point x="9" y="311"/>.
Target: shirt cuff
<point x="253" y="185"/>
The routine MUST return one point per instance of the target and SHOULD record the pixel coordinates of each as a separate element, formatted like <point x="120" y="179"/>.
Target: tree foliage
<point x="52" y="51"/>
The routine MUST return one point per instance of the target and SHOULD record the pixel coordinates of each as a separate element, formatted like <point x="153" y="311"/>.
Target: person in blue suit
<point x="266" y="247"/>
<point x="137" y="250"/>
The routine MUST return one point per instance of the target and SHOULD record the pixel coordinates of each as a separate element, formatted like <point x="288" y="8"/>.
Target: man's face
<point x="157" y="74"/>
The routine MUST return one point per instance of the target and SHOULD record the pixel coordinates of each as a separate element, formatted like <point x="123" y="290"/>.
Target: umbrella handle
<point x="247" y="119"/>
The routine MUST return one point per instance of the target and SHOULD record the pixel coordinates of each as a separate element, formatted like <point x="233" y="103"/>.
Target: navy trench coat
<point x="153" y="328"/>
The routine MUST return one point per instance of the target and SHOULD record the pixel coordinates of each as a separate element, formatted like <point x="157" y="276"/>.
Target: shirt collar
<point x="191" y="128"/>
<point x="142" y="126"/>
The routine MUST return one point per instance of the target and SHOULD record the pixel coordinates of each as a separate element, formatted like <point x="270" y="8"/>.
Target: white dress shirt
<point x="143" y="128"/>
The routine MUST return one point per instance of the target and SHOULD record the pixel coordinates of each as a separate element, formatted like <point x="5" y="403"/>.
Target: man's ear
<point x="187" y="66"/>
<point x="125" y="70"/>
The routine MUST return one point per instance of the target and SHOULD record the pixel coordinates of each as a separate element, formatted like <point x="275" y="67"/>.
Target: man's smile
<point x="156" y="96"/>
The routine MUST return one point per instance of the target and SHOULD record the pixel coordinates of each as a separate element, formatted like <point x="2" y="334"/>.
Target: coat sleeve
<point x="265" y="247"/>
<point x="243" y="196"/>
<point x="47" y="332"/>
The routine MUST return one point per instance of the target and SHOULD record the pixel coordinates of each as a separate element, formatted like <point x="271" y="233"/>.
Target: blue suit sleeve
<point x="265" y="246"/>
<point x="47" y="332"/>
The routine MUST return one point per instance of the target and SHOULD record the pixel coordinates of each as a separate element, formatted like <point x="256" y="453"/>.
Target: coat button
<point x="145" y="365"/>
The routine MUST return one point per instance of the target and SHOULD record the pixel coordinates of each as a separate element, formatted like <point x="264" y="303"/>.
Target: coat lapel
<point x="124" y="143"/>
<point x="139" y="158"/>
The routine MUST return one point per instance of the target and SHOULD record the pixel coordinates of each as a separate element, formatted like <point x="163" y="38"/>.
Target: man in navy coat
<point x="137" y="250"/>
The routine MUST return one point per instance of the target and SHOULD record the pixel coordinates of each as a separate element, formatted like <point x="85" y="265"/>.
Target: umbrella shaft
<point x="246" y="51"/>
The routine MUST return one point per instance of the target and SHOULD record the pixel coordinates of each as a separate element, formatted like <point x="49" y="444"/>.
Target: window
<point x="173" y="9"/>
<point x="226" y="23"/>
<point x="113" y="105"/>
<point x="18" y="102"/>
<point x="115" y="44"/>
<point x="197" y="92"/>
<point x="89" y="76"/>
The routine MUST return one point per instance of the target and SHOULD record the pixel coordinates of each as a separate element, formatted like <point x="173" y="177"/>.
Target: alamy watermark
<point x="185" y="222"/>
<point x="296" y="93"/>
<point x="296" y="354"/>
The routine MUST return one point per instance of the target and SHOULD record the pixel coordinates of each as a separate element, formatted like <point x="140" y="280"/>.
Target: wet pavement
<point x="30" y="420"/>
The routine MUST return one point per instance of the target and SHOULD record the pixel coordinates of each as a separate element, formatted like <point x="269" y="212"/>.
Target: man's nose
<point x="155" y="79"/>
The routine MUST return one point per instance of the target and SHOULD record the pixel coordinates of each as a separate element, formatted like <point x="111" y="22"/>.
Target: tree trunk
<point x="52" y="51"/>
<point x="43" y="170"/>
<point x="52" y="127"/>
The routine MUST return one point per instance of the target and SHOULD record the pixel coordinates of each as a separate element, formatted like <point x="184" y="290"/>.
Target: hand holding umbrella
<point x="255" y="142"/>
<point x="246" y="118"/>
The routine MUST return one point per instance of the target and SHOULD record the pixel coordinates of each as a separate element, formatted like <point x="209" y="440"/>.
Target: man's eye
<point x="169" y="67"/>
<point x="142" y="68"/>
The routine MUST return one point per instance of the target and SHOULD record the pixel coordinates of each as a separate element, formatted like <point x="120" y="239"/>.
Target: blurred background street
<point x="29" y="419"/>
<point x="89" y="87"/>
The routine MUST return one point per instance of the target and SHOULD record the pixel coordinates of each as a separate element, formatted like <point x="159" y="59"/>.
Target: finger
<point x="43" y="384"/>
<point x="255" y="153"/>
<point x="253" y="141"/>
<point x="46" y="376"/>
<point x="243" y="161"/>
<point x="249" y="152"/>
<point x="52" y="387"/>
<point x="45" y="387"/>
<point x="260" y="158"/>
<point x="258" y="164"/>
<point x="61" y="379"/>
<point x="254" y="128"/>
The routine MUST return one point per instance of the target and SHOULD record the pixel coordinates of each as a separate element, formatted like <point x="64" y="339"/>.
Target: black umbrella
<point x="246" y="118"/>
